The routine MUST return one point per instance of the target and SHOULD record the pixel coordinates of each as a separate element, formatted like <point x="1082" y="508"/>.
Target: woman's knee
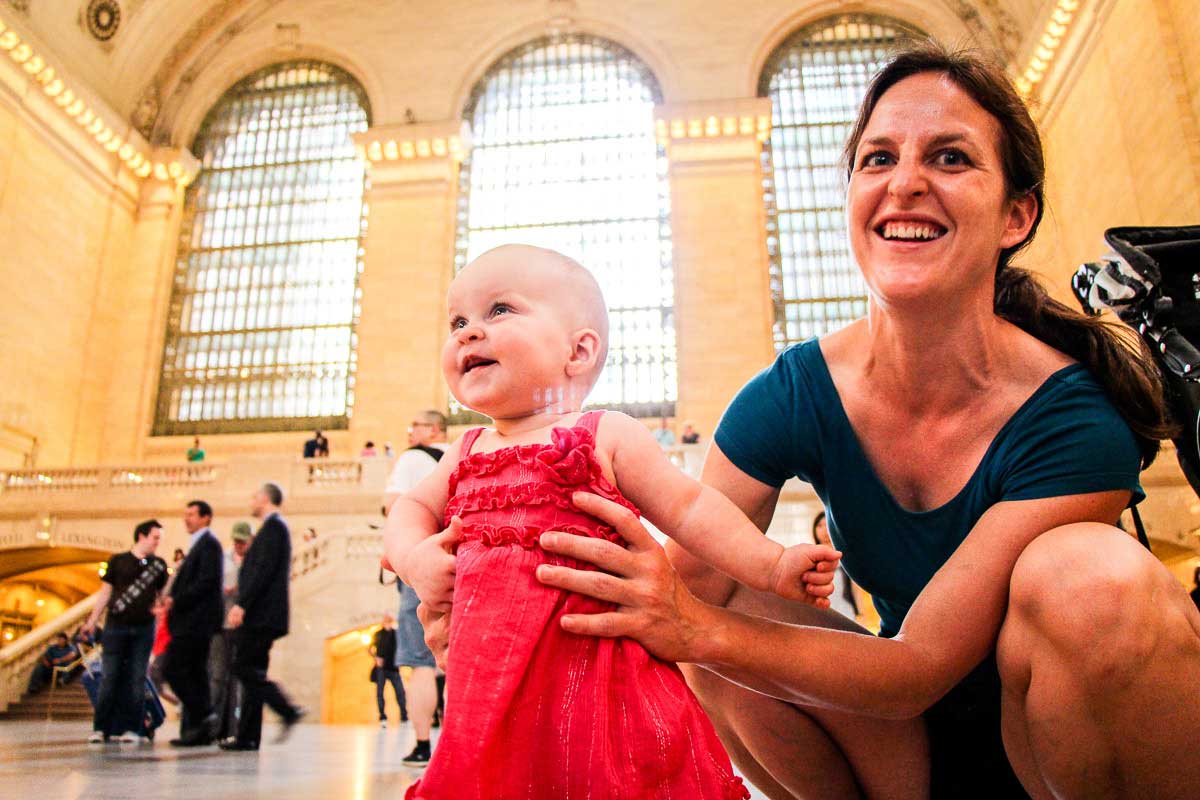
<point x="1085" y="592"/>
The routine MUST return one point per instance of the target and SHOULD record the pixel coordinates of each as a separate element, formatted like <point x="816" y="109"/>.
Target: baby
<point x="535" y="711"/>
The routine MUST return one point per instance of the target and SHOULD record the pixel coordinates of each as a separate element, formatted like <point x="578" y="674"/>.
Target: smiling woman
<point x="973" y="441"/>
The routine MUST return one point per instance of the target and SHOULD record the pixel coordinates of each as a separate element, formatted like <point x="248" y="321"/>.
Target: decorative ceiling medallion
<point x="103" y="18"/>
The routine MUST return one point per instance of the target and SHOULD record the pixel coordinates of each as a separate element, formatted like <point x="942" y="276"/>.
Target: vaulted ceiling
<point x="154" y="62"/>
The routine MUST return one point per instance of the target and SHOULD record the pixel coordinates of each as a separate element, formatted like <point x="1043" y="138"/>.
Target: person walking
<point x="383" y="649"/>
<point x="260" y="616"/>
<point x="195" y="611"/>
<point x="226" y="691"/>
<point x="132" y="584"/>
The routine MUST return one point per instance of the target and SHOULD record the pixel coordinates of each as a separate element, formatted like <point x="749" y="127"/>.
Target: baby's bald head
<point x="576" y="295"/>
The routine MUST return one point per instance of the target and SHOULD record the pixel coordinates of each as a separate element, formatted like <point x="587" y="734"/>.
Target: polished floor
<point x="52" y="761"/>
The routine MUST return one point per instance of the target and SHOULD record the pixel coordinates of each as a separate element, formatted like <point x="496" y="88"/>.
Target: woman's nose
<point x="908" y="179"/>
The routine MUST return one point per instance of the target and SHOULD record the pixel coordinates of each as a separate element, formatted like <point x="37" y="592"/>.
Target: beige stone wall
<point x="1122" y="144"/>
<point x="64" y="232"/>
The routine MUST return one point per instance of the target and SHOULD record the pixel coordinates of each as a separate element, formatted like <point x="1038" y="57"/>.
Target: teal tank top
<point x="1067" y="438"/>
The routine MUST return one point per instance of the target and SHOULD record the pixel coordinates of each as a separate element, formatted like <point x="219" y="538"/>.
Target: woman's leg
<point x="1099" y="657"/>
<point x="789" y="751"/>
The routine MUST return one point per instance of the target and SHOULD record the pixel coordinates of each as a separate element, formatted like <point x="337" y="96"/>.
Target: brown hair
<point x="1113" y="353"/>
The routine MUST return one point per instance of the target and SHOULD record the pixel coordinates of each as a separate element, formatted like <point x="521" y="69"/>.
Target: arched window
<point x="816" y="80"/>
<point x="564" y="156"/>
<point x="260" y="334"/>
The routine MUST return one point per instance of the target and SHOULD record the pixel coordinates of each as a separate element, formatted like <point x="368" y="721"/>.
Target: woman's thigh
<point x="790" y="751"/>
<point x="1099" y="659"/>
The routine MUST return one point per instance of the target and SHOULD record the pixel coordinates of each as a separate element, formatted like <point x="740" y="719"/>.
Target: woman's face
<point x="821" y="531"/>
<point x="928" y="210"/>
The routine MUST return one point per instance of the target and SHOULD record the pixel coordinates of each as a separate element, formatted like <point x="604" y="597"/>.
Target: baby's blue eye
<point x="500" y="308"/>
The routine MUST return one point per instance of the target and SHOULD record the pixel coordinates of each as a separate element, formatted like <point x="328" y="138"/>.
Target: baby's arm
<point x="413" y="547"/>
<point x="707" y="524"/>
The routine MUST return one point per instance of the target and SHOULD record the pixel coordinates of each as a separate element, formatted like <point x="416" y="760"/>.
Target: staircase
<point x="63" y="702"/>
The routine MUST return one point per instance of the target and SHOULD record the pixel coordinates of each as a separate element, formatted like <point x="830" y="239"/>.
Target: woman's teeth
<point x="911" y="230"/>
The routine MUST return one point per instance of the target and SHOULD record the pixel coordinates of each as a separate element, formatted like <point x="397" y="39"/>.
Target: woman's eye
<point x="876" y="159"/>
<point x="952" y="158"/>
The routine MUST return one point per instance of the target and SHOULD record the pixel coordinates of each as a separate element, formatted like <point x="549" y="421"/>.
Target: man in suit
<point x="195" y="611"/>
<point x="260" y="616"/>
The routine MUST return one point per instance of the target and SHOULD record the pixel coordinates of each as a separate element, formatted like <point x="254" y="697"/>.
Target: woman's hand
<point x="429" y="567"/>
<point x="654" y="607"/>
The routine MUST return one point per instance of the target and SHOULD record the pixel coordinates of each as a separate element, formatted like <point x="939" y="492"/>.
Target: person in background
<point x="426" y="446"/>
<point x="132" y="584"/>
<point x="195" y="452"/>
<point x="383" y="649"/>
<point x="226" y="693"/>
<point x="368" y="450"/>
<point x="260" y="615"/>
<point x="59" y="653"/>
<point x="312" y="446"/>
<point x="842" y="600"/>
<point x="690" y="434"/>
<point x="663" y="434"/>
<point x="322" y="446"/>
<point x="388" y="452"/>
<point x="195" y="611"/>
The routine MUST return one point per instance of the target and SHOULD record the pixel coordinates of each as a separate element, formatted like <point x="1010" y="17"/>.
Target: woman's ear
<point x="585" y="350"/>
<point x="1021" y="214"/>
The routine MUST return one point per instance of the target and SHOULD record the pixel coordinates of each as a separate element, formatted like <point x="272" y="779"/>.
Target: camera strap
<point x="1139" y="527"/>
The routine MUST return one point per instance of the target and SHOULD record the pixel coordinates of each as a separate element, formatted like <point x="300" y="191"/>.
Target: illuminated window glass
<point x="816" y="80"/>
<point x="260" y="334"/>
<point x="564" y="156"/>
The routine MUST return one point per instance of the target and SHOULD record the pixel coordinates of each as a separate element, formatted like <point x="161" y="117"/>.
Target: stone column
<point x="408" y="264"/>
<point x="131" y="310"/>
<point x="723" y="312"/>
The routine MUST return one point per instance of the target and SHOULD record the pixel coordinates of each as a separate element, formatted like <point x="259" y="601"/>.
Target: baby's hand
<point x="805" y="572"/>
<point x="430" y="567"/>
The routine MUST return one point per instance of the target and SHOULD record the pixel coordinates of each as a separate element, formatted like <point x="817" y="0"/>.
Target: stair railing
<point x="18" y="659"/>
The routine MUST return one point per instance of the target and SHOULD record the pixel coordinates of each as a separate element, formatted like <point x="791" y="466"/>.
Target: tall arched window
<point x="564" y="156"/>
<point x="260" y="334"/>
<point x="815" y="80"/>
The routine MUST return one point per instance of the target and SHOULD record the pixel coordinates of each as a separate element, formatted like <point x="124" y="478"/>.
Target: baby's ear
<point x="585" y="350"/>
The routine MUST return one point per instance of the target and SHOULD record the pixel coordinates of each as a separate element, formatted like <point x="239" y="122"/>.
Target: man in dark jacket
<point x="260" y="616"/>
<point x="196" y="610"/>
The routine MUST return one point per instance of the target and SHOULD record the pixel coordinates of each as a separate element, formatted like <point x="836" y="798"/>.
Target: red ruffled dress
<point x="535" y="712"/>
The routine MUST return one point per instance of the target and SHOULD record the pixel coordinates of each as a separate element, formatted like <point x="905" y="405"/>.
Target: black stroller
<point x="1152" y="282"/>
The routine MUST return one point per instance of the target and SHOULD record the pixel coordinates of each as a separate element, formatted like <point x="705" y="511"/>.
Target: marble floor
<point x="52" y="761"/>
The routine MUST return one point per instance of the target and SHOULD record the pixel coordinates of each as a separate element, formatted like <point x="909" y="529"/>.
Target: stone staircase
<point x="61" y="703"/>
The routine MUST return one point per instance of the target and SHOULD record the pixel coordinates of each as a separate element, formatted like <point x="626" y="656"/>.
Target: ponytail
<point x="1112" y="352"/>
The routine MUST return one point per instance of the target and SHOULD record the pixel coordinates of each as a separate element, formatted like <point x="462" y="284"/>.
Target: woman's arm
<point x="895" y="678"/>
<point x="706" y="523"/>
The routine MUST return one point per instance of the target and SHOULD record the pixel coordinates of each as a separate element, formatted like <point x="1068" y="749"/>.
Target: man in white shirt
<point x="426" y="444"/>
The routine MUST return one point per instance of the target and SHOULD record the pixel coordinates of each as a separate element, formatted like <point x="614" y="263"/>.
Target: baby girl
<point x="534" y="711"/>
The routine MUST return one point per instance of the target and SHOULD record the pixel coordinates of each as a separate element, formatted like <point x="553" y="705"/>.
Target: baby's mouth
<point x="910" y="231"/>
<point x="476" y="362"/>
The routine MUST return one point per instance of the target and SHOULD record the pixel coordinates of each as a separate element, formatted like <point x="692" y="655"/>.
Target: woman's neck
<point x="931" y="359"/>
